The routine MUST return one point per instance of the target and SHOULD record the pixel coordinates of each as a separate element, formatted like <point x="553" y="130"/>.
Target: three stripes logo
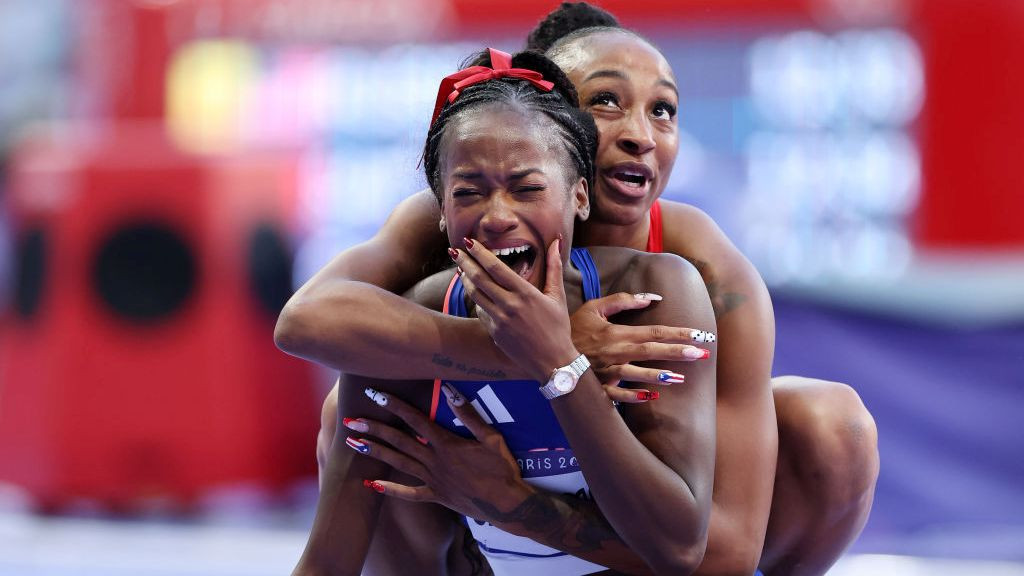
<point x="489" y="407"/>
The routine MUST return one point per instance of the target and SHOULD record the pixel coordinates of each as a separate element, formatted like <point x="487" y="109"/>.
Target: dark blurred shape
<point x="144" y="272"/>
<point x="270" y="268"/>
<point x="30" y="272"/>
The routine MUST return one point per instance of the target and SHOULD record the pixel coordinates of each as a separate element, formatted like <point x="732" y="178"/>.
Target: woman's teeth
<point x="635" y="180"/>
<point x="507" y="251"/>
<point x="519" y="259"/>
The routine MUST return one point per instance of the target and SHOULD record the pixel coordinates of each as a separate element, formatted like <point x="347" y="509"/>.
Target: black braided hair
<point x="567" y="18"/>
<point x="560" y="105"/>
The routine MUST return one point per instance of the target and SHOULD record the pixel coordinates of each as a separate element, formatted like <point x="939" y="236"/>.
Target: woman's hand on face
<point x="530" y="326"/>
<point x="612" y="347"/>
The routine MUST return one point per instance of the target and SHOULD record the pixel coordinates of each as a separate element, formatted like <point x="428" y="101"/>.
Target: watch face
<point x="564" y="381"/>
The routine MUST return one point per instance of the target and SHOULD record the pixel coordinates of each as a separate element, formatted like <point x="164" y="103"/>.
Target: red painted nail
<point x="453" y="253"/>
<point x="422" y="440"/>
<point x="374" y="485"/>
<point x="469" y="243"/>
<point x="644" y="395"/>
<point x="346" y="421"/>
<point x="707" y="354"/>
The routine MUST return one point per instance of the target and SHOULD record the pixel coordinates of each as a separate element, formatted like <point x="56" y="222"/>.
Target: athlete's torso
<point x="525" y="419"/>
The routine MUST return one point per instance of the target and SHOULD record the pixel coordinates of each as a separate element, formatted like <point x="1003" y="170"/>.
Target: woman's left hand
<point x="457" y="472"/>
<point x="530" y="326"/>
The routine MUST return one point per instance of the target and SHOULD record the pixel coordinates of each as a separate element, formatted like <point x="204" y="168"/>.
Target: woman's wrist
<point x="545" y="365"/>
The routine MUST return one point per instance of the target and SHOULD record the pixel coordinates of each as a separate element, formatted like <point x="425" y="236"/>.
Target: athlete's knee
<point x="828" y="430"/>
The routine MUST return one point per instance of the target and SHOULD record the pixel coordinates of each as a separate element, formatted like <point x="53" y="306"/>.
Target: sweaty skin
<point x="826" y="441"/>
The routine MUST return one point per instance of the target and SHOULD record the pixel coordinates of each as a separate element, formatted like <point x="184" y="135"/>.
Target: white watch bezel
<point x="563" y="380"/>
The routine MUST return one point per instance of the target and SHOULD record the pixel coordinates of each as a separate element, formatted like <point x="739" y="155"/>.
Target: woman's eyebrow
<point x="524" y="173"/>
<point x="618" y="75"/>
<point x="604" y="74"/>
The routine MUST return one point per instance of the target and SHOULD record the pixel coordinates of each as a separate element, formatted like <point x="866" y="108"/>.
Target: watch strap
<point x="577" y="367"/>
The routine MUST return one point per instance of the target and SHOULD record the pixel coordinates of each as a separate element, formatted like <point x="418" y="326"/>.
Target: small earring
<point x="441" y="225"/>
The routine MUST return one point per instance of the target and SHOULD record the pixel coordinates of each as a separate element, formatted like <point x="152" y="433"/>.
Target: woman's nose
<point x="636" y="136"/>
<point x="500" y="216"/>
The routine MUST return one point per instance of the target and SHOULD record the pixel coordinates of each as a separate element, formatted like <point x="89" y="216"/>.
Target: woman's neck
<point x="596" y="233"/>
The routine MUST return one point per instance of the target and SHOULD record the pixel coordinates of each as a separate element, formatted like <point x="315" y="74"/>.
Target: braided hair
<point x="564" y="20"/>
<point x="576" y="128"/>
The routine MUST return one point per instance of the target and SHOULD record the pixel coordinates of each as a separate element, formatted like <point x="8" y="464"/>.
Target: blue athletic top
<point x="524" y="417"/>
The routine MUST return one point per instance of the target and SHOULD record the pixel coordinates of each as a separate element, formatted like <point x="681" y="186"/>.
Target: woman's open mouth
<point x="520" y="259"/>
<point x="629" y="179"/>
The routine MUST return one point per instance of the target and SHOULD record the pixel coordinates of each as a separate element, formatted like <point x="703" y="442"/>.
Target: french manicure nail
<point x="702" y="336"/>
<point x="468" y="243"/>
<point x="668" y="377"/>
<point x="379" y="397"/>
<point x="648" y="297"/>
<point x="357" y="445"/>
<point x="355" y="424"/>
<point x="693" y="353"/>
<point x="374" y="485"/>
<point x="644" y="395"/>
<point x="453" y="253"/>
<point x="453" y="397"/>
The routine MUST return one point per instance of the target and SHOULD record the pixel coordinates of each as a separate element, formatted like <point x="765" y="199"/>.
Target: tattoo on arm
<point x="722" y="302"/>
<point x="583" y="530"/>
<point x="477" y="371"/>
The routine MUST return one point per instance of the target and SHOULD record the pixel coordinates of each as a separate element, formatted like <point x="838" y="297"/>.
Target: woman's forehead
<point x="610" y="49"/>
<point x="500" y="121"/>
<point x="495" y="131"/>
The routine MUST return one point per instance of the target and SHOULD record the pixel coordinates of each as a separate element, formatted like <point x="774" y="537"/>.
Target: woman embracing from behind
<point x="509" y="157"/>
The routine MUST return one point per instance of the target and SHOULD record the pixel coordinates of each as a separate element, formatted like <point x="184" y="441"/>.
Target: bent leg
<point x="328" y="426"/>
<point x="825" y="479"/>
<point x="411" y="538"/>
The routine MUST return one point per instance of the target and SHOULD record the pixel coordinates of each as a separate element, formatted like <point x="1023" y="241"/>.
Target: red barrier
<point x="140" y="362"/>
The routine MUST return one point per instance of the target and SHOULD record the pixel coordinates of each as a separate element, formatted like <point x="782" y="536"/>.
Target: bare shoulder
<point x="421" y="206"/>
<point x="431" y="291"/>
<point x="623" y="269"/>
<point x="691" y="233"/>
<point x="730" y="277"/>
<point x="679" y="281"/>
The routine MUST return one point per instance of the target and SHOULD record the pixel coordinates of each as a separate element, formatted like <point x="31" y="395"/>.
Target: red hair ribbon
<point x="501" y="62"/>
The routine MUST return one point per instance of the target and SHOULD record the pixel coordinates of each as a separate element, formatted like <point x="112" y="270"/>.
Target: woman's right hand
<point x="612" y="348"/>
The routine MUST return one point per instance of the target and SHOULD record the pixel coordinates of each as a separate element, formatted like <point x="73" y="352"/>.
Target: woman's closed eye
<point x="529" y="188"/>
<point x="464" y="192"/>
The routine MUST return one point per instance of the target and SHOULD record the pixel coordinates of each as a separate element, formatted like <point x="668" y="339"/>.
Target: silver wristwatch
<point x="563" y="380"/>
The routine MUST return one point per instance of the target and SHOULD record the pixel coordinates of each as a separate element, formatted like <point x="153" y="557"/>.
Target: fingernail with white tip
<point x="648" y="297"/>
<point x="693" y="353"/>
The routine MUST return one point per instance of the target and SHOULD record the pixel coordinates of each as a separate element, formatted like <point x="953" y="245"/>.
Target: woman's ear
<point x="581" y="196"/>
<point x="442" y="224"/>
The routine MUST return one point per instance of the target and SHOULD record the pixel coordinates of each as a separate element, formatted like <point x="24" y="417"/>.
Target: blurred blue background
<point x="170" y="171"/>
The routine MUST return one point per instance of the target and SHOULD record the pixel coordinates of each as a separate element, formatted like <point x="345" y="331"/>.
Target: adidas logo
<point x="489" y="407"/>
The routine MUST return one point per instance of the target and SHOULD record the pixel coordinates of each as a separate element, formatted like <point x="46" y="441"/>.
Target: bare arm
<point x="747" y="434"/>
<point x="349" y="316"/>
